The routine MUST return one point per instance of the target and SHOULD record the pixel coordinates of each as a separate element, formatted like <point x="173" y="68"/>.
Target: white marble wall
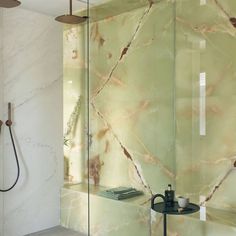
<point x="1" y="110"/>
<point x="32" y="81"/>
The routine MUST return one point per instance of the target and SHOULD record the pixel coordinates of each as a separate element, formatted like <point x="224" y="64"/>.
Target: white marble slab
<point x="1" y="112"/>
<point x="32" y="82"/>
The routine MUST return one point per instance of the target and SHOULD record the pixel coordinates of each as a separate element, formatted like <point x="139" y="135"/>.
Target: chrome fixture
<point x="70" y="18"/>
<point x="9" y="3"/>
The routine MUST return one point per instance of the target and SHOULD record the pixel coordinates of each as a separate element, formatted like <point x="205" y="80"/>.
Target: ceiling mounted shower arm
<point x="71" y="7"/>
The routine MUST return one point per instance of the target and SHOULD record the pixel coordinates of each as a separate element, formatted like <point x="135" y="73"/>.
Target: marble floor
<point x="56" y="231"/>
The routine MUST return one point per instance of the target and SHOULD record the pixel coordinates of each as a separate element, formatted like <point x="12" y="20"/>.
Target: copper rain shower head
<point x="71" y="19"/>
<point x="9" y="3"/>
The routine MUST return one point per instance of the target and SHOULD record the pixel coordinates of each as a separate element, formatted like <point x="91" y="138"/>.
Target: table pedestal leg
<point x="165" y="225"/>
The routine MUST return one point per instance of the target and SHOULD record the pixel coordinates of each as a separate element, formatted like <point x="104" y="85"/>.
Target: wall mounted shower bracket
<point x="9" y="121"/>
<point x="1" y="123"/>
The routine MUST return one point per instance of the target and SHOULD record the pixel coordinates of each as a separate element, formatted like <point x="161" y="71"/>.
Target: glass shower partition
<point x="205" y="113"/>
<point x="131" y="113"/>
<point x="74" y="195"/>
<point x="149" y="93"/>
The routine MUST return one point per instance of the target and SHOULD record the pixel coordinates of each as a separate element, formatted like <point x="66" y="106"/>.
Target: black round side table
<point x="174" y="210"/>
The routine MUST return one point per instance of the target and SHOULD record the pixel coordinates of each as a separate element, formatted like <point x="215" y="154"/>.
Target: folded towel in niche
<point x="119" y="190"/>
<point x="120" y="193"/>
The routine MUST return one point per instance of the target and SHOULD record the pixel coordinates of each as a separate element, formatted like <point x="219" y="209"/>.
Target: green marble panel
<point x="107" y="217"/>
<point x="145" y="61"/>
<point x="74" y="103"/>
<point x="183" y="226"/>
<point x="132" y="109"/>
<point x="205" y="42"/>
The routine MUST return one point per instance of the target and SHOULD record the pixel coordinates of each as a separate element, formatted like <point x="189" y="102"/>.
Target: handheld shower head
<point x="9" y="3"/>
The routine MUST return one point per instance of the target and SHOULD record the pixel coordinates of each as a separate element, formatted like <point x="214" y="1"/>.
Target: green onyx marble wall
<point x="74" y="103"/>
<point x="206" y="43"/>
<point x="131" y="104"/>
<point x="185" y="226"/>
<point x="145" y="62"/>
<point x="107" y="217"/>
<point x="131" y="114"/>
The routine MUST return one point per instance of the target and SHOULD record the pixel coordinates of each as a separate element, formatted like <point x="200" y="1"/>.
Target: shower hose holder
<point x="9" y="124"/>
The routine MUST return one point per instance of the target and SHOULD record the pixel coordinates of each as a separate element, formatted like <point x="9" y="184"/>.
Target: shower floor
<point x="56" y="231"/>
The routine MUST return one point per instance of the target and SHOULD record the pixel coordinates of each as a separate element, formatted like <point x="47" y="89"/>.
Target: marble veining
<point x="217" y="148"/>
<point x="121" y="148"/>
<point x="144" y="108"/>
<point x="31" y="79"/>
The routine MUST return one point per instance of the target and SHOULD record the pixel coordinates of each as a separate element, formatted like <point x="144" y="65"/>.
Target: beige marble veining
<point x="145" y="110"/>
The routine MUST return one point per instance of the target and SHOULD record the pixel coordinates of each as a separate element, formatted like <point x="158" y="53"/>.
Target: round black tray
<point x="160" y="207"/>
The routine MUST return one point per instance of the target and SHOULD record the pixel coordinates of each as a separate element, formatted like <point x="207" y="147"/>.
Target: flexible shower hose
<point x="17" y="163"/>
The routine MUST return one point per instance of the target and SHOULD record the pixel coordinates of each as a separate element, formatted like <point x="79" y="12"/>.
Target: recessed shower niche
<point x="138" y="113"/>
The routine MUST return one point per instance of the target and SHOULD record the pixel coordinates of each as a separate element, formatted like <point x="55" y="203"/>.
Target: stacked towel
<point x="120" y="193"/>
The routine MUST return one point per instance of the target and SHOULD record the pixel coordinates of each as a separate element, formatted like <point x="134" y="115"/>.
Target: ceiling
<point x="55" y="7"/>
